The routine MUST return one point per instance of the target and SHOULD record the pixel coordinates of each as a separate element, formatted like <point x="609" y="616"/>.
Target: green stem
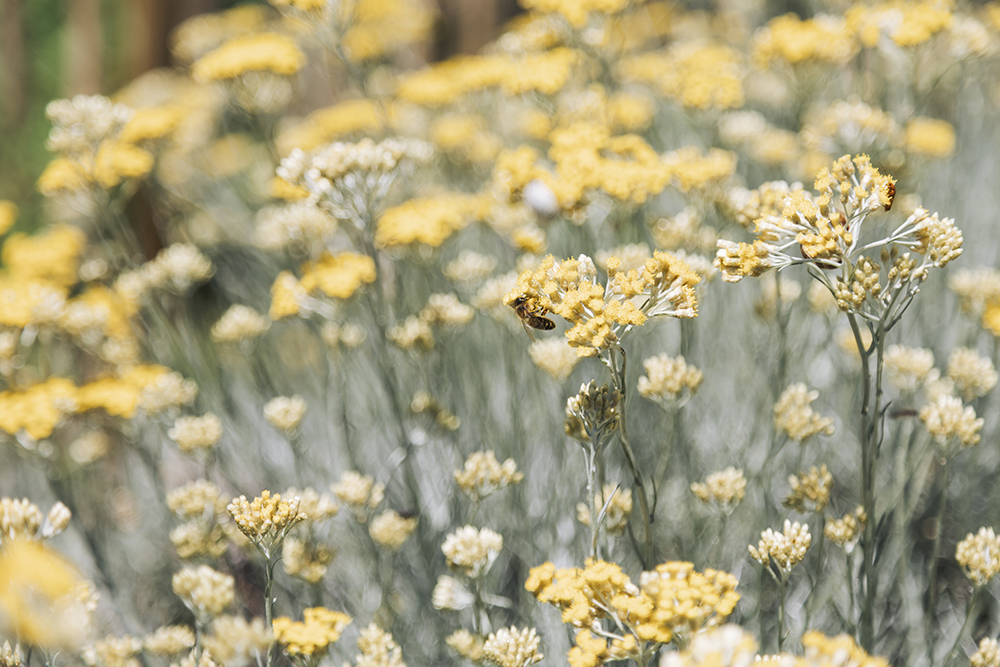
<point x="269" y="601"/>
<point x="932" y="568"/>
<point x="782" y="588"/>
<point x="618" y="375"/>
<point x="870" y="417"/>
<point x="589" y="454"/>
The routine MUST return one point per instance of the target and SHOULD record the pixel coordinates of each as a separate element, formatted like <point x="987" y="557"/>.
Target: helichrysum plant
<point x="302" y="260"/>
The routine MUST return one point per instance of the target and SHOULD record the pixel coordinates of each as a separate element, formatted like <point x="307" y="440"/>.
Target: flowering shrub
<point x="386" y="305"/>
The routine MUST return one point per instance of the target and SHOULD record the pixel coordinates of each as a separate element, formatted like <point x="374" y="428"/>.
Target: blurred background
<point x="51" y="49"/>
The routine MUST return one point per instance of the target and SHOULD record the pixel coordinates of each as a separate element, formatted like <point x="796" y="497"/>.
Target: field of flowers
<point x="652" y="334"/>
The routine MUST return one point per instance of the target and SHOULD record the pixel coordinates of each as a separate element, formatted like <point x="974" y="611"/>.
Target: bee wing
<point x="527" y="330"/>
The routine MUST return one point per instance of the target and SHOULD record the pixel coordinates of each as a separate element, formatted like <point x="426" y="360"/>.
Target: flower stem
<point x="269" y="602"/>
<point x="618" y="376"/>
<point x="932" y="567"/>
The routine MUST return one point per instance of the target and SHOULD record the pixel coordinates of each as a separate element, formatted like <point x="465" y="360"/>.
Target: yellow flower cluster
<point x="305" y="558"/>
<point x="725" y="646"/>
<point x="465" y="137"/>
<point x="555" y="357"/>
<point x="825" y="233"/>
<point x="265" y="520"/>
<point x="203" y="590"/>
<point x="37" y="596"/>
<point x="152" y="123"/>
<point x="472" y="551"/>
<point x="338" y="276"/>
<point x="576" y="11"/>
<point x="427" y="220"/>
<point x="672" y="603"/>
<point x="87" y="134"/>
<point x="785" y="549"/>
<point x="908" y="367"/>
<point x="725" y="488"/>
<point x="973" y="375"/>
<point x="381" y="27"/>
<point x="359" y="492"/>
<point x="204" y="32"/>
<point x="846" y="531"/>
<point x="447" y="82"/>
<point x="979" y="556"/>
<point x="378" y="649"/>
<point x="482" y="475"/>
<point x="40" y="408"/>
<point x="988" y="654"/>
<point x="697" y="75"/>
<point x="794" y="416"/>
<point x="951" y="422"/>
<point x="599" y="316"/>
<point x="333" y="123"/>
<point x="905" y="22"/>
<point x="668" y="380"/>
<point x="169" y="640"/>
<point x="22" y="520"/>
<point x="789" y="39"/>
<point x="929" y="137"/>
<point x="262" y="52"/>
<point x="810" y="491"/>
<point x="8" y="215"/>
<point x="510" y="647"/>
<point x="390" y="529"/>
<point x="822" y="650"/>
<point x="313" y="635"/>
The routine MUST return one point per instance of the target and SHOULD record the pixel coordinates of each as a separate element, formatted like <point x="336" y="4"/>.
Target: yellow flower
<point x="930" y="137"/>
<point x="674" y="600"/>
<point x="266" y="51"/>
<point x="382" y="26"/>
<point x="338" y="276"/>
<point x="152" y="123"/>
<point x="319" y="628"/>
<point x="576" y="11"/>
<point x="446" y="82"/>
<point x="428" y="220"/>
<point x="820" y="649"/>
<point x="62" y="175"/>
<point x="279" y="188"/>
<point x="119" y="396"/>
<point x="703" y="76"/>
<point x="8" y="215"/>
<point x="39" y="409"/>
<point x="286" y="296"/>
<point x="906" y="22"/>
<point x="331" y="123"/>
<point x="789" y="39"/>
<point x="52" y="256"/>
<point x="36" y="585"/>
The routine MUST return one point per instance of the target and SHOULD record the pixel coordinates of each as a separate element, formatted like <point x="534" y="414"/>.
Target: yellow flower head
<point x="905" y="22"/>
<point x="37" y="602"/>
<point x="313" y="635"/>
<point x="267" y="519"/>
<point x="428" y="220"/>
<point x="266" y="51"/>
<point x="8" y="215"/>
<point x="930" y="137"/>
<point x="338" y="276"/>
<point x="789" y="39"/>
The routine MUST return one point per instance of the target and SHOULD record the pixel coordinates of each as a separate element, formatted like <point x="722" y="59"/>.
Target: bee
<point x="890" y="188"/>
<point x="531" y="317"/>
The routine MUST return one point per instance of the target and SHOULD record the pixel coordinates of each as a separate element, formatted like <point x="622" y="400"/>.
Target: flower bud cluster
<point x="593" y="414"/>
